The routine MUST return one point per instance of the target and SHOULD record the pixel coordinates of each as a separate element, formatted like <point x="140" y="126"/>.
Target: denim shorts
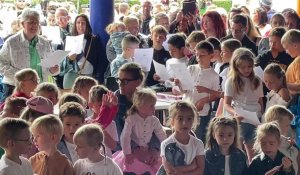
<point x="247" y="132"/>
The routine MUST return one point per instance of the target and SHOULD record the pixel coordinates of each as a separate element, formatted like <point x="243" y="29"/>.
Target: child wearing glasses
<point x="15" y="140"/>
<point x="47" y="132"/>
<point x="129" y="44"/>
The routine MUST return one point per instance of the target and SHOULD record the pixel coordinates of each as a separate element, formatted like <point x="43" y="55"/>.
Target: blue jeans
<point x="7" y="91"/>
<point x="201" y="129"/>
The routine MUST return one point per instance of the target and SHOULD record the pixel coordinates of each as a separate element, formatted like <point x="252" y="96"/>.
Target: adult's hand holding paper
<point x="144" y="58"/>
<point x="54" y="59"/>
<point x="52" y="33"/>
<point x="74" y="44"/>
<point x="249" y="117"/>
<point x="161" y="71"/>
<point x="184" y="76"/>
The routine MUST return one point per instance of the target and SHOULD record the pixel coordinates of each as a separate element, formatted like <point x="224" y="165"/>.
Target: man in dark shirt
<point x="238" y="31"/>
<point x="146" y="17"/>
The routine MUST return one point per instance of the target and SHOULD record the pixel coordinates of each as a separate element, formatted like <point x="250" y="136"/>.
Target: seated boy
<point x="160" y="55"/>
<point x="277" y="53"/>
<point x="129" y="44"/>
<point x="15" y="139"/>
<point x="72" y="115"/>
<point x="47" y="132"/>
<point x="291" y="43"/>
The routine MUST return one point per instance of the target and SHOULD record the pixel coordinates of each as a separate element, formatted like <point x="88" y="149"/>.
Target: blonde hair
<point x="159" y="29"/>
<point x="180" y="106"/>
<point x="71" y="97"/>
<point x="93" y="135"/>
<point x="47" y="87"/>
<point x="49" y="123"/>
<point x="113" y="27"/>
<point x="277" y="113"/>
<point x="130" y="18"/>
<point x="264" y="130"/>
<point x="221" y="122"/>
<point x="96" y="93"/>
<point x="140" y="97"/>
<point x="240" y="55"/>
<point x="23" y="75"/>
<point x="292" y="36"/>
<point x="82" y="82"/>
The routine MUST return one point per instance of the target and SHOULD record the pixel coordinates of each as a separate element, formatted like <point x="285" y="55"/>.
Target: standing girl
<point x="243" y="90"/>
<point x="223" y="155"/>
<point x="139" y="127"/>
<point x="275" y="81"/>
<point x="270" y="160"/>
<point x="88" y="140"/>
<point x="182" y="153"/>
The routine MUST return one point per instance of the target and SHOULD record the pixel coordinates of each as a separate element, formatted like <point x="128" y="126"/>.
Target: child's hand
<point x="179" y="16"/>
<point x="72" y="57"/>
<point x="129" y="158"/>
<point x="156" y="77"/>
<point x="176" y="81"/>
<point x="287" y="163"/>
<point x="239" y="118"/>
<point x="109" y="99"/>
<point x="170" y="170"/>
<point x="199" y="105"/>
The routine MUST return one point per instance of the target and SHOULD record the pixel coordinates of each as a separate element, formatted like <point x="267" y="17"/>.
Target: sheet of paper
<point x="52" y="34"/>
<point x="259" y="72"/>
<point x="249" y="117"/>
<point x="161" y="71"/>
<point x="144" y="58"/>
<point x="165" y="43"/>
<point x="74" y="44"/>
<point x="54" y="59"/>
<point x="181" y="72"/>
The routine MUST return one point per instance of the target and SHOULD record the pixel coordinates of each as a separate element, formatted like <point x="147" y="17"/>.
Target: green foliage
<point x="226" y="4"/>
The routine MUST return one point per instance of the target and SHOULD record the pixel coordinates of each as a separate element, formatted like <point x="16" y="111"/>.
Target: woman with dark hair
<point x="212" y="25"/>
<point x="260" y="20"/>
<point x="292" y="20"/>
<point x="91" y="62"/>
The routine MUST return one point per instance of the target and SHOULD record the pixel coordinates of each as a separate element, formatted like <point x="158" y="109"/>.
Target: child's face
<point x="30" y="84"/>
<point x="275" y="43"/>
<point x="224" y="137"/>
<point x="272" y="82"/>
<point x="291" y="48"/>
<point x="226" y="54"/>
<point x="146" y="109"/>
<point x="121" y="28"/>
<point x="285" y="124"/>
<point x="42" y="140"/>
<point x="269" y="145"/>
<point x="203" y="58"/>
<point x="71" y="124"/>
<point x="158" y="39"/>
<point x="52" y="96"/>
<point x="290" y="23"/>
<point x="22" y="142"/>
<point x="95" y="106"/>
<point x="130" y="50"/>
<point x="175" y="52"/>
<point x="245" y="68"/>
<point x="83" y="149"/>
<point x="183" y="121"/>
<point x="276" y="22"/>
<point x="84" y="92"/>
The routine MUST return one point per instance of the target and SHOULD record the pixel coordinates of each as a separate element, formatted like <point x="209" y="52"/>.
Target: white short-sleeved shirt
<point x="140" y="131"/>
<point x="111" y="129"/>
<point x="104" y="167"/>
<point x="248" y="98"/>
<point x="9" y="167"/>
<point x="194" y="148"/>
<point x="200" y="77"/>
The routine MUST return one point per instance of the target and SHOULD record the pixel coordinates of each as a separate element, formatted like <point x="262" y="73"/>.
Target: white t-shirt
<point x="200" y="77"/>
<point x="111" y="129"/>
<point x="227" y="165"/>
<point x="9" y="167"/>
<point x="194" y="148"/>
<point x="71" y="147"/>
<point x="104" y="167"/>
<point x="248" y="98"/>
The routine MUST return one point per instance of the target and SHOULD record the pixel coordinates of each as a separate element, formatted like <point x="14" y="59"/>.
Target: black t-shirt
<point x="160" y="56"/>
<point x="283" y="59"/>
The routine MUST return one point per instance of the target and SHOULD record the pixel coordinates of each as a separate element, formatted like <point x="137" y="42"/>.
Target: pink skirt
<point x="137" y="167"/>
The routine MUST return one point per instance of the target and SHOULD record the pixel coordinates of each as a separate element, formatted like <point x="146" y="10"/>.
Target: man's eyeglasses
<point x="125" y="81"/>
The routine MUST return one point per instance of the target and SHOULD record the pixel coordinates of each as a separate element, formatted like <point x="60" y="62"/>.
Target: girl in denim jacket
<point x="223" y="155"/>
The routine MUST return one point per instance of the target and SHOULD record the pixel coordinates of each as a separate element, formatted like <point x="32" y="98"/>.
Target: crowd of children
<point x="240" y="117"/>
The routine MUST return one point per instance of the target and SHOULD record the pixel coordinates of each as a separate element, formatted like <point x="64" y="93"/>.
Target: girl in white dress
<point x="137" y="155"/>
<point x="275" y="81"/>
